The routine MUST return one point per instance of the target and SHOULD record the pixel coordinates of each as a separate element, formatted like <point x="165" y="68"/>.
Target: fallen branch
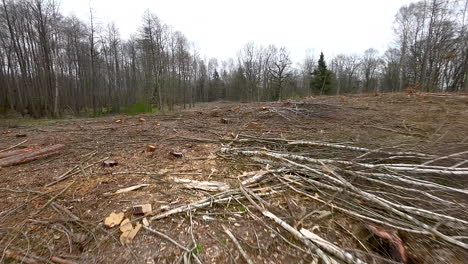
<point x="413" y="134"/>
<point x="74" y="171"/>
<point x="217" y="198"/>
<point x="446" y="157"/>
<point x="239" y="247"/>
<point x="330" y="247"/>
<point x="177" y="244"/>
<point x="226" y="196"/>
<point x="326" y="259"/>
<point x="446" y="171"/>
<point x="12" y="147"/>
<point x="358" y="149"/>
<point x="125" y="190"/>
<point x="257" y="176"/>
<point x="51" y="200"/>
<point x="210" y="186"/>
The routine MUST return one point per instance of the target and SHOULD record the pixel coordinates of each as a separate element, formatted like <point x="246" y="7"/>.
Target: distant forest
<point x="52" y="65"/>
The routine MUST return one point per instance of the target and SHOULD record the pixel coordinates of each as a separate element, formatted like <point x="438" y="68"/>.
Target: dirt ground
<point x="31" y="226"/>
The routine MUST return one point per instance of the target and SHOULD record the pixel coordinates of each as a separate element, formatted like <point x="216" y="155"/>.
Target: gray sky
<point x="221" y="28"/>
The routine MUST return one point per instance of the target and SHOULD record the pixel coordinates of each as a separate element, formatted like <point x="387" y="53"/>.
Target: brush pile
<point x="391" y="193"/>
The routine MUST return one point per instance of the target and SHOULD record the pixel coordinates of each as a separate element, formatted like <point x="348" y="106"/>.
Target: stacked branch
<point x="408" y="194"/>
<point x="393" y="189"/>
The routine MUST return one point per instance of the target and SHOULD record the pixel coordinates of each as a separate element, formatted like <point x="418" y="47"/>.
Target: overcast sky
<point x="221" y="28"/>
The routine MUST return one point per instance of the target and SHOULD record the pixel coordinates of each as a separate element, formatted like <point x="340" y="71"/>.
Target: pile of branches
<point x="391" y="192"/>
<point x="408" y="192"/>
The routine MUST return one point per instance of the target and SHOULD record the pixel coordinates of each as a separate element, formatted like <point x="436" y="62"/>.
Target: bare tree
<point x="370" y="63"/>
<point x="280" y="69"/>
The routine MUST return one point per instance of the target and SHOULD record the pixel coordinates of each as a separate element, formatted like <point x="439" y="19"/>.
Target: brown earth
<point x="427" y="123"/>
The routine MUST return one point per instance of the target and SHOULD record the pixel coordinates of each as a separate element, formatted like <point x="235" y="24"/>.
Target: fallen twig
<point x="239" y="247"/>
<point x="14" y="146"/>
<point x="210" y="186"/>
<point x="128" y="189"/>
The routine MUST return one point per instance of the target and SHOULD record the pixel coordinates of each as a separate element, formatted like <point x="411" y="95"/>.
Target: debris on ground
<point x="114" y="219"/>
<point x="127" y="189"/>
<point x="339" y="179"/>
<point x="21" y="156"/>
<point x="143" y="209"/>
<point x="151" y="148"/>
<point x="177" y="155"/>
<point x="209" y="186"/>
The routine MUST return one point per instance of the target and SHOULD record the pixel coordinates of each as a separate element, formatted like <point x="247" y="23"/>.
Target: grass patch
<point x="295" y="96"/>
<point x="15" y="122"/>
<point x="139" y="108"/>
<point x="242" y="208"/>
<point x="197" y="250"/>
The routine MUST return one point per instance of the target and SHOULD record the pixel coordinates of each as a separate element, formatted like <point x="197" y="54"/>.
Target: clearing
<point x="390" y="186"/>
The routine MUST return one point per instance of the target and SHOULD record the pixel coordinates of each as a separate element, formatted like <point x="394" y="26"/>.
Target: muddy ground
<point x="426" y="123"/>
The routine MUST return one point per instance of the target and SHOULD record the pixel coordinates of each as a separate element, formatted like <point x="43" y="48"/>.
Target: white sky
<point x="221" y="28"/>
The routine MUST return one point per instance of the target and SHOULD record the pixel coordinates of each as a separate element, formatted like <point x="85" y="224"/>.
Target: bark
<point x="31" y="155"/>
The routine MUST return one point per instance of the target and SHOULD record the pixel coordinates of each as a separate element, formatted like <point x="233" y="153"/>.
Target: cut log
<point x="11" y="153"/>
<point x="31" y="155"/>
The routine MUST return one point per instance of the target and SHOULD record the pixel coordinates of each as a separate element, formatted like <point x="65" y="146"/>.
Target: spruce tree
<point x="321" y="77"/>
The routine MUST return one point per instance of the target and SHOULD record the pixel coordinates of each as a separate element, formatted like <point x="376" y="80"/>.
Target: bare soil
<point x="427" y="123"/>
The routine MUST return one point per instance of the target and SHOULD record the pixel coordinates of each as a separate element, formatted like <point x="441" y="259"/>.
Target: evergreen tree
<point x="321" y="77"/>
<point x="215" y="83"/>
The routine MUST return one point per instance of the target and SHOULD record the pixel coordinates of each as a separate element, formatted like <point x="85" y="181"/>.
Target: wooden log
<point x="10" y="254"/>
<point x="31" y="155"/>
<point x="11" y="153"/>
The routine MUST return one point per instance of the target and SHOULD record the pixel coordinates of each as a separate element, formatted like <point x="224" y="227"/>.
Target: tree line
<point x="51" y="64"/>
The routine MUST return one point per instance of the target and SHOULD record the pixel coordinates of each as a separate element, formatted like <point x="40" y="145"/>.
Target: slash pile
<point x="409" y="193"/>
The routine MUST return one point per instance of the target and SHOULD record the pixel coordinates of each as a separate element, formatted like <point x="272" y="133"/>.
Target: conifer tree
<point x="321" y="77"/>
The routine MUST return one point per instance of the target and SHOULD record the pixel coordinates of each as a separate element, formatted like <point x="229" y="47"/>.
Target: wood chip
<point x="126" y="225"/>
<point x="114" y="219"/>
<point x="145" y="222"/>
<point x="128" y="236"/>
<point x="134" y="232"/>
<point x="151" y="148"/>
<point x="124" y="237"/>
